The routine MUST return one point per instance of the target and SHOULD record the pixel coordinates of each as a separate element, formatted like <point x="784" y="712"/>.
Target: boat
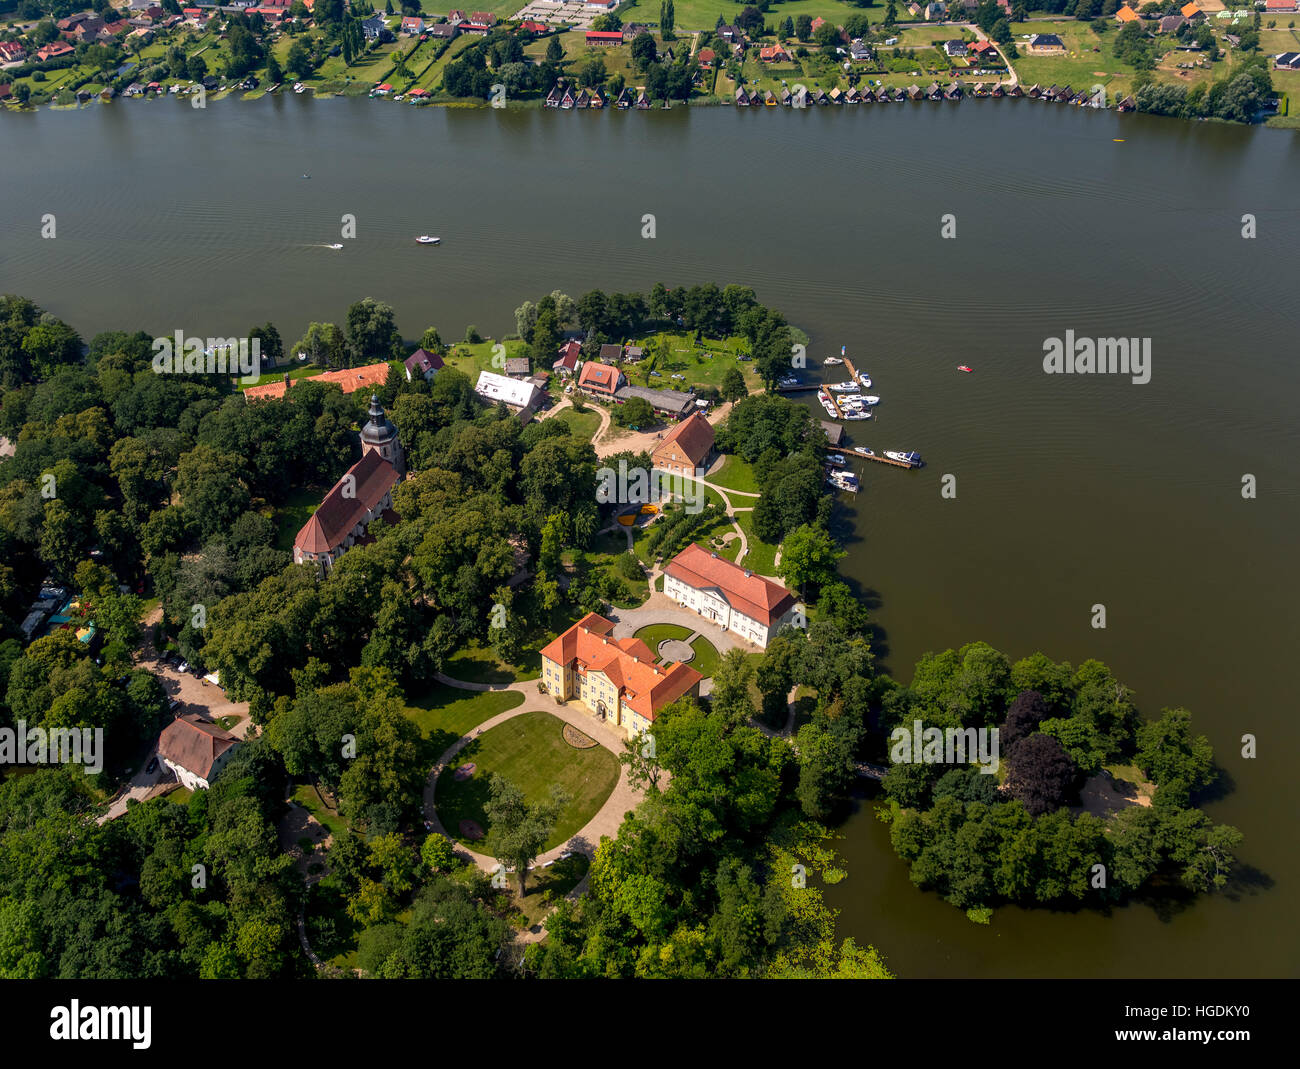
<point x="837" y="459"/>
<point x="870" y="399"/>
<point x="827" y="404"/>
<point x="912" y="460"/>
<point x="298" y="87"/>
<point x="845" y="387"/>
<point x="864" y="379"/>
<point x="964" y="367"/>
<point x="336" y="245"/>
<point x="863" y="451"/>
<point x="831" y="360"/>
<point x="306" y="176"/>
<point x="843" y="480"/>
<point x="855" y="414"/>
<point x="425" y="239"/>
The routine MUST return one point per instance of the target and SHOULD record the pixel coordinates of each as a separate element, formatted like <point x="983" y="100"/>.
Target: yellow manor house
<point x="615" y="678"/>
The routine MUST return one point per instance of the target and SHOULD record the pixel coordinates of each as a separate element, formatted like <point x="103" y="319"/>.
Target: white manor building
<point x="733" y="597"/>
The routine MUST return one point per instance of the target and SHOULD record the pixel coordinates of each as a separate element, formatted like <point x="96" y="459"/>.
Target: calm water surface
<point x="1070" y="491"/>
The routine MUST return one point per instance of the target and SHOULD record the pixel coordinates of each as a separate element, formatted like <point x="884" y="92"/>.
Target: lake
<point x="1070" y="490"/>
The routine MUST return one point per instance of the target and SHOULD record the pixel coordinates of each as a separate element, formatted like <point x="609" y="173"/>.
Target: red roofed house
<point x="1282" y="5"/>
<point x="412" y="25"/>
<point x="54" y="50"/>
<point x="348" y="380"/>
<point x="480" y="23"/>
<point x="1191" y="12"/>
<point x="192" y="12"/>
<point x="616" y="679"/>
<point x="734" y="597"/>
<point x="1126" y="14"/>
<point x="706" y="57"/>
<point x="195" y="750"/>
<point x="423" y="363"/>
<point x="12" y="52"/>
<point x="817" y="23"/>
<point x="358" y="499"/>
<point x="982" y="48"/>
<point x="600" y="380"/>
<point x="567" y="364"/>
<point x="604" y="37"/>
<point x="686" y="448"/>
<point x="529" y="26"/>
<point x="773" y="54"/>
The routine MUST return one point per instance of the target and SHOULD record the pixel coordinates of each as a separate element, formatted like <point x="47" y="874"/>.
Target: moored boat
<point x="831" y="360"/>
<point x="863" y="451"/>
<point x="837" y="459"/>
<point x="912" y="460"/>
<point x="845" y="387"/>
<point x="843" y="480"/>
<point x="425" y="239"/>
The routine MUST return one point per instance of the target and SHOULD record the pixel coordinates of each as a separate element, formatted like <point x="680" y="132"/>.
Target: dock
<point x="868" y="771"/>
<point x="880" y="460"/>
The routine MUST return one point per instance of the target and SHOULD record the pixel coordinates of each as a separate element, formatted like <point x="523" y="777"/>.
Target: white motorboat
<point x="831" y="361"/>
<point x="870" y="399"/>
<point x="912" y="460"/>
<point x="843" y="480"/>
<point x="863" y="451"/>
<point x="858" y="413"/>
<point x="425" y="239"/>
<point x="864" y="379"/>
<point x="845" y="387"/>
<point x="837" y="459"/>
<point x="336" y="245"/>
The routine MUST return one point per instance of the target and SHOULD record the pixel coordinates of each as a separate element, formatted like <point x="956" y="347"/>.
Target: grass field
<point x="700" y="365"/>
<point x="310" y="799"/>
<point x="761" y="557"/>
<point x="736" y="474"/>
<point x="706" y="657"/>
<point x="653" y="634"/>
<point x="547" y="886"/>
<point x="296" y="511"/>
<point x="452" y="712"/>
<point x="581" y="424"/>
<point x="480" y="664"/>
<point x="530" y="752"/>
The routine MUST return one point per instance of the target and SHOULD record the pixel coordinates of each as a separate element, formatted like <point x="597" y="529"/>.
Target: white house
<point x="518" y="394"/>
<point x="731" y="596"/>
<point x="195" y="750"/>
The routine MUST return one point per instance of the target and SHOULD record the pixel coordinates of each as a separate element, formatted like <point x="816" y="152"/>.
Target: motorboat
<point x="870" y="399"/>
<point x="336" y="245"/>
<point x="845" y="387"/>
<point x="425" y="239"/>
<point x="843" y="480"/>
<point x="912" y="460"/>
<point x="859" y="413"/>
<point x="863" y="451"/>
<point x="864" y="379"/>
<point x="964" y="367"/>
<point x="831" y="360"/>
<point x="837" y="459"/>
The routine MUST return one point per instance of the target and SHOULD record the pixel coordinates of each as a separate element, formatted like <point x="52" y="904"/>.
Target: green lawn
<point x="296" y="511"/>
<point x="310" y="799"/>
<point x="180" y="796"/>
<point x="702" y="364"/>
<point x="449" y="712"/>
<point x="471" y="359"/>
<point x="761" y="557"/>
<point x="653" y="634"/>
<point x="480" y="664"/>
<point x="706" y="656"/>
<point x="545" y="887"/>
<point x="736" y="474"/>
<point x="530" y="751"/>
<point x="581" y="424"/>
<point x="703" y="14"/>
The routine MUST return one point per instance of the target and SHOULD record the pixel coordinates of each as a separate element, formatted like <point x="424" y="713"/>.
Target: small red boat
<point x="963" y="367"/>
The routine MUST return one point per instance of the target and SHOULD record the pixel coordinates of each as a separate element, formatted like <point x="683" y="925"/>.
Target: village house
<point x="1046" y="44"/>
<point x="610" y="353"/>
<point x="12" y="53"/>
<point x="570" y="353"/>
<point x="731" y="596"/>
<point x="518" y="367"/>
<point x="1171" y="23"/>
<point x="1287" y="61"/>
<point x="616" y="680"/>
<point x="935" y="12"/>
<point x="422" y="363"/>
<point x="412" y="25"/>
<point x="444" y="31"/>
<point x="705" y="58"/>
<point x="632" y="30"/>
<point x="604" y="37"/>
<point x="1191" y="12"/>
<point x="480" y="22"/>
<point x="519" y="395"/>
<point x="773" y="54"/>
<point x="983" y="50"/>
<point x="1126" y="14"/>
<point x="671" y="403"/>
<point x="953" y="49"/>
<point x="363" y="495"/>
<point x="1274" y="7"/>
<point x="685" y="449"/>
<point x="195" y="750"/>
<point x="600" y="380"/>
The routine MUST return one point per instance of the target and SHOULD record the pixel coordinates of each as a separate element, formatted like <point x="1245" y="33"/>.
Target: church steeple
<point x="380" y="436"/>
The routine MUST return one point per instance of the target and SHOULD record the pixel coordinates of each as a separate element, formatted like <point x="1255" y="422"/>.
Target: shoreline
<point x="539" y="104"/>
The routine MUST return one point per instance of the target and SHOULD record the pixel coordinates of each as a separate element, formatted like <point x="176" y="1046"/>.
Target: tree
<point x="372" y="331"/>
<point x="1040" y="773"/>
<point x="298" y="62"/>
<point x="197" y="67"/>
<point x="520" y="829"/>
<point x="636" y="412"/>
<point x="827" y="35"/>
<point x="1027" y="711"/>
<point x="1177" y="761"/>
<point x="50" y="345"/>
<point x="643" y="51"/>
<point x="808" y="556"/>
<point x="667" y="20"/>
<point x="733" y="386"/>
<point x="554" y="50"/>
<point x="803" y="27"/>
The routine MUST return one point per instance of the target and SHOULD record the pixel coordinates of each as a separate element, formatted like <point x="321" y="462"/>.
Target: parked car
<point x="185" y="666"/>
<point x="173" y="705"/>
<point x="152" y="766"/>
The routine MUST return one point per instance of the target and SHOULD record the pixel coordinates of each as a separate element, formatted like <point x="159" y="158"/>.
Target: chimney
<point x="748" y="573"/>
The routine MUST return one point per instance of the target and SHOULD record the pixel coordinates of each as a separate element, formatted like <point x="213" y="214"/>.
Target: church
<point x="363" y="495"/>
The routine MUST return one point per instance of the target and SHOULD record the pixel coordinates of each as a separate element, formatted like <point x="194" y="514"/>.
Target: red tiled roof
<point x="329" y="525"/>
<point x="349" y="380"/>
<point x="693" y="437"/>
<point x="627" y="662"/>
<point x="605" y="35"/>
<point x="756" y="597"/>
<point x="569" y="353"/>
<point x="598" y="376"/>
<point x="194" y="744"/>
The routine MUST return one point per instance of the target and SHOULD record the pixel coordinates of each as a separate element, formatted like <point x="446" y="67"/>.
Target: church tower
<point x="380" y="436"/>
